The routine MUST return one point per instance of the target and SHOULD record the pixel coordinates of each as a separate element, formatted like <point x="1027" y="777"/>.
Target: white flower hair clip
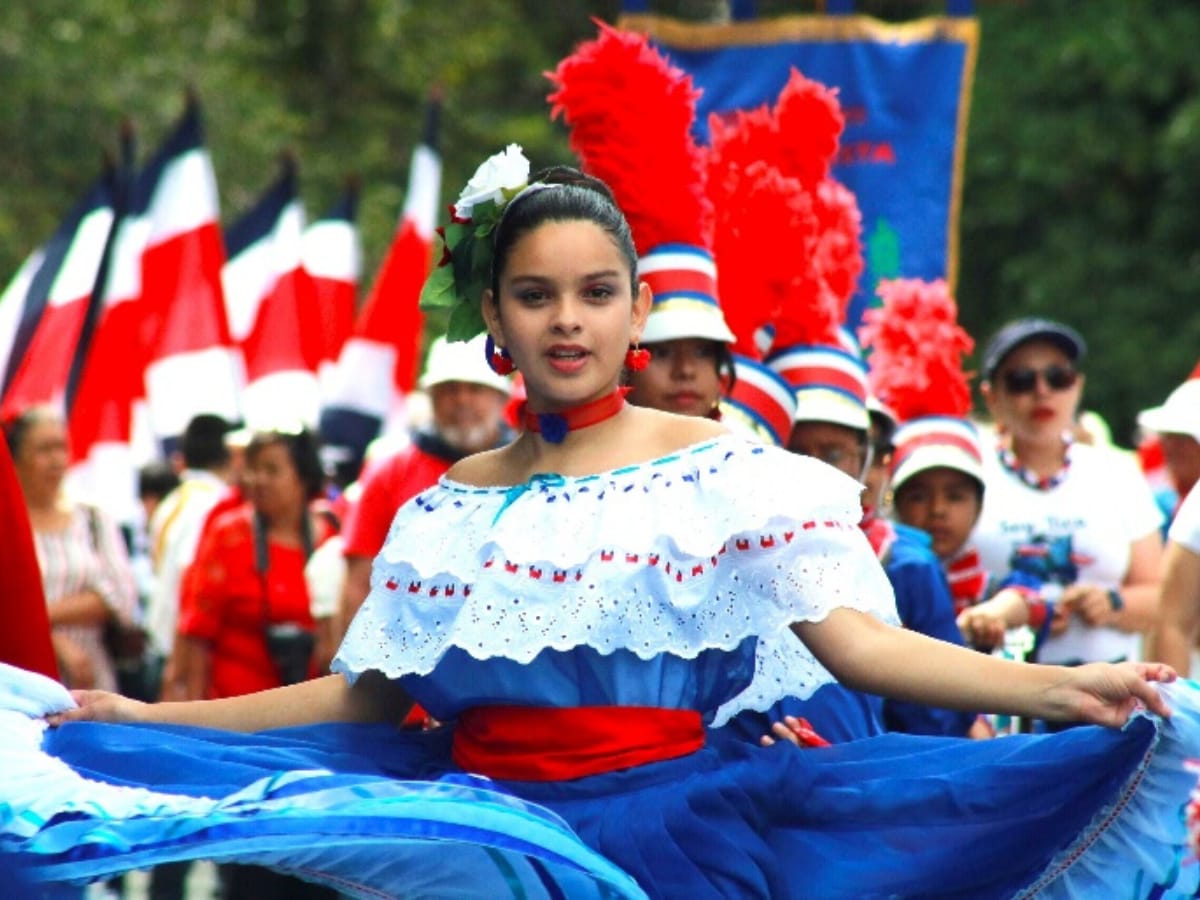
<point x="464" y="270"/>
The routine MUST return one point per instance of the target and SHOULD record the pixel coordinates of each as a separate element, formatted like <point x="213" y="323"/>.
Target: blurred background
<point x="1082" y="178"/>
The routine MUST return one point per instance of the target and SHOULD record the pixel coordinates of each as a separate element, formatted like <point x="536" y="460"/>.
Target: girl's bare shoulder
<point x="665" y="432"/>
<point x="485" y="468"/>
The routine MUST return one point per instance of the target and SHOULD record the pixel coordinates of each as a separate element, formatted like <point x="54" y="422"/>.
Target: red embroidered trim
<point x="694" y="569"/>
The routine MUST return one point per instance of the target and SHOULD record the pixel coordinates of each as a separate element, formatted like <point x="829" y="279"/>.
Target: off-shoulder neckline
<point x="687" y="450"/>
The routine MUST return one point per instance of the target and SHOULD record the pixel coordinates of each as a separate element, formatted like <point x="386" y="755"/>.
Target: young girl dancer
<point x="576" y="606"/>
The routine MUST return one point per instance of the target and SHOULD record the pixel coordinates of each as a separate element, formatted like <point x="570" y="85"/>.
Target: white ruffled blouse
<point x="670" y="583"/>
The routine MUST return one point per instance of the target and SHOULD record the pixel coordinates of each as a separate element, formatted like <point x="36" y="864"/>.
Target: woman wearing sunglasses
<point x="1078" y="519"/>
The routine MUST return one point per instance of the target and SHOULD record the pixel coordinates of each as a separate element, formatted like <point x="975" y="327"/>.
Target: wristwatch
<point x="1116" y="600"/>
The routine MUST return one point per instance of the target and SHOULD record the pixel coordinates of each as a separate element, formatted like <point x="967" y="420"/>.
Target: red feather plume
<point x="801" y="267"/>
<point x="631" y="113"/>
<point x="917" y="350"/>
<point x="809" y="121"/>
<point x="765" y="231"/>
<point x="839" y="254"/>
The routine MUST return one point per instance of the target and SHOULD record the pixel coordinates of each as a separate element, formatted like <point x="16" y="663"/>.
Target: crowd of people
<point x="620" y="618"/>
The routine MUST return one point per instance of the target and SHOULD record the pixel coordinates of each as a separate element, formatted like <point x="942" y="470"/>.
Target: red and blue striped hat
<point x="930" y="442"/>
<point x="829" y="383"/>
<point x="683" y="279"/>
<point x="759" y="402"/>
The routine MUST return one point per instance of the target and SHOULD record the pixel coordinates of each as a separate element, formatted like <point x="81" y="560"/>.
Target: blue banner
<point x="905" y="91"/>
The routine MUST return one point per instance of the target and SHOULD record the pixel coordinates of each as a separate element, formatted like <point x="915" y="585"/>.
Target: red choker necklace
<point x="554" y="427"/>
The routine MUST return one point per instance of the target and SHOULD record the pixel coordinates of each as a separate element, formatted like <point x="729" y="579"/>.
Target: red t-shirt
<point x="387" y="487"/>
<point x="222" y="601"/>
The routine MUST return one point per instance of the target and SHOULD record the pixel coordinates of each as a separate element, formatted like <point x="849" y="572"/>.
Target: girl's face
<point x="1034" y="393"/>
<point x="682" y="377"/>
<point x="566" y="313"/>
<point x="42" y="459"/>
<point x="943" y="502"/>
<point x="273" y="484"/>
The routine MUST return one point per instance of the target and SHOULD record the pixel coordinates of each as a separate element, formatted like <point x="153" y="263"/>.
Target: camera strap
<point x="262" y="556"/>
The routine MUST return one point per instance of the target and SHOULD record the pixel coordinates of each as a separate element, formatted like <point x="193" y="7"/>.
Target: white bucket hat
<point x="1180" y="414"/>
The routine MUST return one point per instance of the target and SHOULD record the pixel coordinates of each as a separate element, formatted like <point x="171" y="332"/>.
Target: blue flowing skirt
<point x="1089" y="812"/>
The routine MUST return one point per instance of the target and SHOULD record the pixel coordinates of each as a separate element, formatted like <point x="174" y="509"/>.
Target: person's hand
<point x="100" y="706"/>
<point x="981" y="729"/>
<point x="1060" y="619"/>
<point x="1106" y="693"/>
<point x="1089" y="602"/>
<point x="796" y="731"/>
<point x="76" y="665"/>
<point x="981" y="628"/>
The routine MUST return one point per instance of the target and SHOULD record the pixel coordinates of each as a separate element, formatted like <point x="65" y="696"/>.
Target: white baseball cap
<point x="461" y="361"/>
<point x="1180" y="414"/>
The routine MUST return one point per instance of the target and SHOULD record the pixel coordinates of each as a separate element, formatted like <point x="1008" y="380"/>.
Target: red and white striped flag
<point x="192" y="366"/>
<point x="19" y="314"/>
<point x="378" y="364"/>
<point x="161" y="352"/>
<point x="48" y="302"/>
<point x="271" y="304"/>
<point x="332" y="256"/>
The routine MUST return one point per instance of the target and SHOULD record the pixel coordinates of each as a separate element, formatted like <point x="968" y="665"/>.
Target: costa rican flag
<point x="192" y="366"/>
<point x="378" y="364"/>
<point x="162" y="335"/>
<point x="271" y="306"/>
<point x="42" y="313"/>
<point x="760" y="401"/>
<point x="332" y="256"/>
<point x="16" y="306"/>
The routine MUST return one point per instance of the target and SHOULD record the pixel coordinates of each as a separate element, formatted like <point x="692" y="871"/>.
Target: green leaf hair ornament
<point x="464" y="271"/>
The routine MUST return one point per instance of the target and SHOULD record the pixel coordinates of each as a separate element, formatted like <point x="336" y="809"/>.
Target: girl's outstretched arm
<point x="867" y="655"/>
<point x="373" y="698"/>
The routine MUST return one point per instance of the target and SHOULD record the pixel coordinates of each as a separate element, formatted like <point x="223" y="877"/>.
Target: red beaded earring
<point x="498" y="359"/>
<point x="636" y="359"/>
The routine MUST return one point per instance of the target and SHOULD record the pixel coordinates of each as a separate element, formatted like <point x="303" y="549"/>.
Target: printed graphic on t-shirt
<point x="1051" y="560"/>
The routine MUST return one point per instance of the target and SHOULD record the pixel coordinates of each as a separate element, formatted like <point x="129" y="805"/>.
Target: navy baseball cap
<point x="1021" y="331"/>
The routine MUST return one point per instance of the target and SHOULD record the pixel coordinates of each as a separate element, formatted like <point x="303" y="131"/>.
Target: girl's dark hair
<point x="17" y="427"/>
<point x="304" y="452"/>
<point x="574" y="197"/>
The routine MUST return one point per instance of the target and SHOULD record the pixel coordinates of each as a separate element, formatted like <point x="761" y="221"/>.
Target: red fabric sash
<point x="525" y="743"/>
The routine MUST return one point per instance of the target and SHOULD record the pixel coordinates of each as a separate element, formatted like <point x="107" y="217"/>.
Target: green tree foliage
<point x="1082" y="165"/>
<point x="1083" y="169"/>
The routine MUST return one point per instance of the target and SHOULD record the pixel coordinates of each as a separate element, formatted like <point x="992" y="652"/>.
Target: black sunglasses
<point x="1023" y="381"/>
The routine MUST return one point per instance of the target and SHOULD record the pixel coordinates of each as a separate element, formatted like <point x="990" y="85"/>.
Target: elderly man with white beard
<point x="467" y="400"/>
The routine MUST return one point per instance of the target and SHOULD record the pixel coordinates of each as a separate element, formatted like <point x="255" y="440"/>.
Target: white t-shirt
<point x="1185" y="529"/>
<point x="1080" y="530"/>
<point x="325" y="574"/>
